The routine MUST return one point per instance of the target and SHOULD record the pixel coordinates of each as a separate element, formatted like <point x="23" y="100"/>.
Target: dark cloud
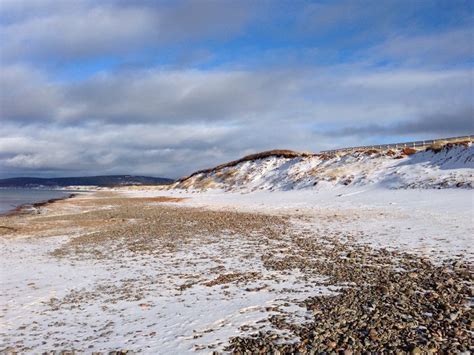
<point x="153" y="90"/>
<point x="169" y="123"/>
<point x="27" y="96"/>
<point x="138" y="149"/>
<point x="150" y="96"/>
<point x="452" y="123"/>
<point x="178" y="96"/>
<point x="460" y="122"/>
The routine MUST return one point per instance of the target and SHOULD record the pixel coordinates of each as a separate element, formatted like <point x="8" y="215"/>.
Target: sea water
<point x="12" y="198"/>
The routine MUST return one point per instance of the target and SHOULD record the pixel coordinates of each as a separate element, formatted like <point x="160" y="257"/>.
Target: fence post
<point x="400" y="145"/>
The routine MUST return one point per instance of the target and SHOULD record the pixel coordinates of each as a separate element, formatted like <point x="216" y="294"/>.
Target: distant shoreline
<point x="31" y="208"/>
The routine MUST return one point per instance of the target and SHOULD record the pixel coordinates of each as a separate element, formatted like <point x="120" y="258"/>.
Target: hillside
<point x="102" y="181"/>
<point x="449" y="166"/>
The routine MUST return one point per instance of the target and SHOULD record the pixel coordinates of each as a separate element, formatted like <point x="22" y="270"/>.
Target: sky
<point x="163" y="88"/>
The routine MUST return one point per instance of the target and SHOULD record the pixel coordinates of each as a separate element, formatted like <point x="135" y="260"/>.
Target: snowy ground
<point x="213" y="286"/>
<point x="438" y="223"/>
<point x="43" y="297"/>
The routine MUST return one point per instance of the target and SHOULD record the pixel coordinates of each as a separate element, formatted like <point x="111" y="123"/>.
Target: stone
<point x="373" y="334"/>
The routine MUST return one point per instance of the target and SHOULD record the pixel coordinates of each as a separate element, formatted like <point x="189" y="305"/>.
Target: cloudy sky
<point x="166" y="87"/>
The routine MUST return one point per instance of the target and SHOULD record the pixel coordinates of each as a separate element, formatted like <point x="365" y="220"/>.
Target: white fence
<point x="415" y="144"/>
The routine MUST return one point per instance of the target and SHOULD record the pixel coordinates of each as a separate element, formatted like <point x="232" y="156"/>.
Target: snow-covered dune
<point x="449" y="167"/>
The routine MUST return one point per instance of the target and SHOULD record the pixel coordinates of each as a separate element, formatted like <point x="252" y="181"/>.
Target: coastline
<point x="34" y="208"/>
<point x="274" y="261"/>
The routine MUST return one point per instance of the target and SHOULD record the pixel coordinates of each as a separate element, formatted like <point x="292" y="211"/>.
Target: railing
<point x="415" y="144"/>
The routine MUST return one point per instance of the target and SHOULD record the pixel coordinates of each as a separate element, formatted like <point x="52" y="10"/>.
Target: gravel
<point x="395" y="301"/>
<point x="386" y="300"/>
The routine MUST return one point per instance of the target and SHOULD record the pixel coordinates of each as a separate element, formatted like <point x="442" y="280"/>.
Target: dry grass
<point x="326" y="156"/>
<point x="371" y="151"/>
<point x="207" y="184"/>
<point x="440" y="145"/>
<point x="226" y="174"/>
<point x="437" y="146"/>
<point x="409" y="151"/>
<point x="314" y="171"/>
<point x="336" y="173"/>
<point x="271" y="153"/>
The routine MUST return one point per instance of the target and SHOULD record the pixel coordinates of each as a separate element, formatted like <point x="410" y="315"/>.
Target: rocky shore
<point x="114" y="273"/>
<point x="34" y="208"/>
<point x="389" y="301"/>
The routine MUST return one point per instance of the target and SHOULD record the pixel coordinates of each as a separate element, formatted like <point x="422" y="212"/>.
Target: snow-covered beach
<point x="439" y="223"/>
<point x="368" y="250"/>
<point x="173" y="271"/>
<point x="236" y="177"/>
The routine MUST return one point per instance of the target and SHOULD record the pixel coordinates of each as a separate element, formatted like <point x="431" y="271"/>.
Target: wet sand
<point x="34" y="208"/>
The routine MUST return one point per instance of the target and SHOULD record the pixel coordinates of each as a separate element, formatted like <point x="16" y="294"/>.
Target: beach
<point x="236" y="177"/>
<point x="15" y="200"/>
<point x="163" y="272"/>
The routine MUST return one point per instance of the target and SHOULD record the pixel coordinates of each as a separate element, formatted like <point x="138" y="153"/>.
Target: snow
<point x="451" y="167"/>
<point x="138" y="300"/>
<point x="432" y="222"/>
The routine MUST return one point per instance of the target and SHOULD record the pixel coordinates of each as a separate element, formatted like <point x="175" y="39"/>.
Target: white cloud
<point x="67" y="30"/>
<point x="234" y="97"/>
<point x="27" y="95"/>
<point x="169" y="119"/>
<point x="172" y="122"/>
<point x="428" y="49"/>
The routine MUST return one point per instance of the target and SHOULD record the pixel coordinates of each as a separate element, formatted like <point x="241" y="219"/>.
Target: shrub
<point x="408" y="151"/>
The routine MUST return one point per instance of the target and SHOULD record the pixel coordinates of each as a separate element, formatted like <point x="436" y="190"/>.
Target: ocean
<point x="11" y="198"/>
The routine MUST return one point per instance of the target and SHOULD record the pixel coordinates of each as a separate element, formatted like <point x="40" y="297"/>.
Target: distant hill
<point x="102" y="181"/>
